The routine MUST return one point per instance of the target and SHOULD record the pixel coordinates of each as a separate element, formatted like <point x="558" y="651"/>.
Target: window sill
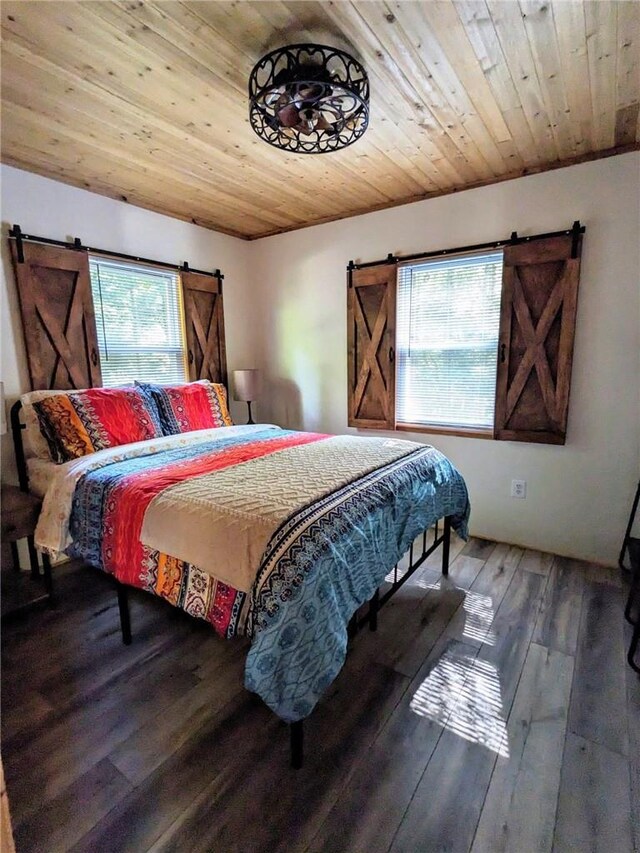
<point x="465" y="432"/>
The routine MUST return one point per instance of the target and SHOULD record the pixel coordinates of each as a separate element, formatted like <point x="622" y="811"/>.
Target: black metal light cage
<point x="309" y="99"/>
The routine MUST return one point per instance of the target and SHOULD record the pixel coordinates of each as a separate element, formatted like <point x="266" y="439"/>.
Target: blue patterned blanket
<point x="322" y="562"/>
<point x="326" y="561"/>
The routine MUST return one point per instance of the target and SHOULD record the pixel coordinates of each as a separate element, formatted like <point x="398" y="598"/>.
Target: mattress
<point x="41" y="473"/>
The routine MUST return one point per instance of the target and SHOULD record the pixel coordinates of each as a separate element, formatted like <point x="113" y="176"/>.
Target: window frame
<point x="144" y="265"/>
<point x="444" y="429"/>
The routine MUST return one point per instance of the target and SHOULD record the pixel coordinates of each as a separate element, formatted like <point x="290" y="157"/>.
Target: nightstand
<point x="20" y="590"/>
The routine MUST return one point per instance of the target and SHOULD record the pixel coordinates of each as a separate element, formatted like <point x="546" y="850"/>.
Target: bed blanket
<point x="222" y="521"/>
<point x="277" y="534"/>
<point x="327" y="560"/>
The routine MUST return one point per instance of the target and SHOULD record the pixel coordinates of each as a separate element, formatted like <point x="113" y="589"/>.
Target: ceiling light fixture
<point x="309" y="98"/>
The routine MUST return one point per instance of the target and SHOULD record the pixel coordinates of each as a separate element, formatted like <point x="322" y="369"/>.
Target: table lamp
<point x="246" y="385"/>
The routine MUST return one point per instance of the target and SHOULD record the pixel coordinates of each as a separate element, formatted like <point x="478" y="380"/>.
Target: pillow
<point x="184" y="408"/>
<point x="81" y="422"/>
<point x="35" y="444"/>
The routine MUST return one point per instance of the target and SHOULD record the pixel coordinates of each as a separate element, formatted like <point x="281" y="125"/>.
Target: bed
<point x="278" y="535"/>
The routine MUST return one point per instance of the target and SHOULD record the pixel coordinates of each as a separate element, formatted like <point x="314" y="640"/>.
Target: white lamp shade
<point x="246" y="384"/>
<point x="3" y="411"/>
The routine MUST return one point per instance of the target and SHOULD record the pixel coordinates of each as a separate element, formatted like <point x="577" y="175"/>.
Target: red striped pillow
<point x="195" y="405"/>
<point x="82" y="422"/>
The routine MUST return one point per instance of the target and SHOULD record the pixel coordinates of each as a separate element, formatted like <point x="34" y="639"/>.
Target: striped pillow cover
<point x="78" y="423"/>
<point x="193" y="406"/>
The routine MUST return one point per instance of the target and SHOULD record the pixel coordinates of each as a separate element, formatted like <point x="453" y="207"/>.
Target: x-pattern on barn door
<point x="538" y="313"/>
<point x="204" y="317"/>
<point x="57" y="316"/>
<point x="371" y="318"/>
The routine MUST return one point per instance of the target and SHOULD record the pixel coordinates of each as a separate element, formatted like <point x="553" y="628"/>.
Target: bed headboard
<point x="17" y="428"/>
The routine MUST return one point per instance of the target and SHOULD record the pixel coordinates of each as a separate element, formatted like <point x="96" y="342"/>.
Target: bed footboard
<point x="442" y="537"/>
<point x="442" y="529"/>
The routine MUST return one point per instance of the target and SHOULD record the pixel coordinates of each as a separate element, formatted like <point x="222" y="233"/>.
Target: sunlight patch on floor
<point x="478" y="617"/>
<point x="478" y="611"/>
<point x="462" y="694"/>
<point x="392" y="577"/>
<point x="441" y="584"/>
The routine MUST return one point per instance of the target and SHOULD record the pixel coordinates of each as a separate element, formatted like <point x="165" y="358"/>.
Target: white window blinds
<point x="448" y="315"/>
<point x="139" y="322"/>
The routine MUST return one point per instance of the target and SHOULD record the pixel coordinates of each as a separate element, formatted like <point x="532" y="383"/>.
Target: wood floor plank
<point x="447" y="803"/>
<point x="435" y="560"/>
<point x="147" y="748"/>
<point x="407" y="651"/>
<point x="441" y="598"/>
<point x="92" y="728"/>
<point x="401" y="611"/>
<point x="375" y="797"/>
<point x="86" y="673"/>
<point x="559" y="621"/>
<point x="285" y="807"/>
<point x="520" y="808"/>
<point x="444" y="811"/>
<point x="604" y="574"/>
<point x="507" y="643"/>
<point x="225" y="749"/>
<point x="75" y="811"/>
<point x="405" y="616"/>
<point x="480" y="548"/>
<point x="28" y="713"/>
<point x="536" y="561"/>
<point x="465" y="569"/>
<point x="600" y="687"/>
<point x="498" y="570"/>
<point x="472" y="621"/>
<point x="83" y="665"/>
<point x="593" y="806"/>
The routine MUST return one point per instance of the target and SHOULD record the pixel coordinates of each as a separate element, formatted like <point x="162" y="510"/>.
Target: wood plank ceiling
<point x="146" y="101"/>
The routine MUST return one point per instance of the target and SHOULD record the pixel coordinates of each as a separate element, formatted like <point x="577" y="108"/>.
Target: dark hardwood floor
<point x="492" y="711"/>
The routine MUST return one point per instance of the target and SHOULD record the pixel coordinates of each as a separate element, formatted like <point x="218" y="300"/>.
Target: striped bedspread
<point x="275" y="534"/>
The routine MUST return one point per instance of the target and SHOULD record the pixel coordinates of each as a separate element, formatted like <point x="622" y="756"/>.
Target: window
<point x="447" y="324"/>
<point x="479" y="344"/>
<point x="139" y="322"/>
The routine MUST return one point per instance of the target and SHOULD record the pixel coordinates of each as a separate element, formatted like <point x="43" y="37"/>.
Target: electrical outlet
<point x="519" y="489"/>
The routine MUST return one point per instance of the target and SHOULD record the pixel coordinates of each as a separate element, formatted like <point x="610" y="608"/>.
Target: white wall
<point x="285" y="311"/>
<point x="578" y="495"/>
<point x="51" y="209"/>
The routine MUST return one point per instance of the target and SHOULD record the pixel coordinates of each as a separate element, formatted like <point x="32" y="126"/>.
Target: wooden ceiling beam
<point x="571" y="34"/>
<point x="481" y="33"/>
<point x="541" y="32"/>
<point x="601" y="23"/>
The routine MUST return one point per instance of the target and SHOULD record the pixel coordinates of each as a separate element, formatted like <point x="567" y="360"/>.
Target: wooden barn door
<point x="371" y="333"/>
<point x="58" y="319"/>
<point x="204" y="317"/>
<point x="537" y="323"/>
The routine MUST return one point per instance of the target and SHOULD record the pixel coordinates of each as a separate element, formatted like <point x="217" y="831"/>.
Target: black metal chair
<point x="631" y="548"/>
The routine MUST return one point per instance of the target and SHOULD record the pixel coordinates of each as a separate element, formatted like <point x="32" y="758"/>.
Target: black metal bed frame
<point x="376" y="602"/>
<point x="442" y="536"/>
